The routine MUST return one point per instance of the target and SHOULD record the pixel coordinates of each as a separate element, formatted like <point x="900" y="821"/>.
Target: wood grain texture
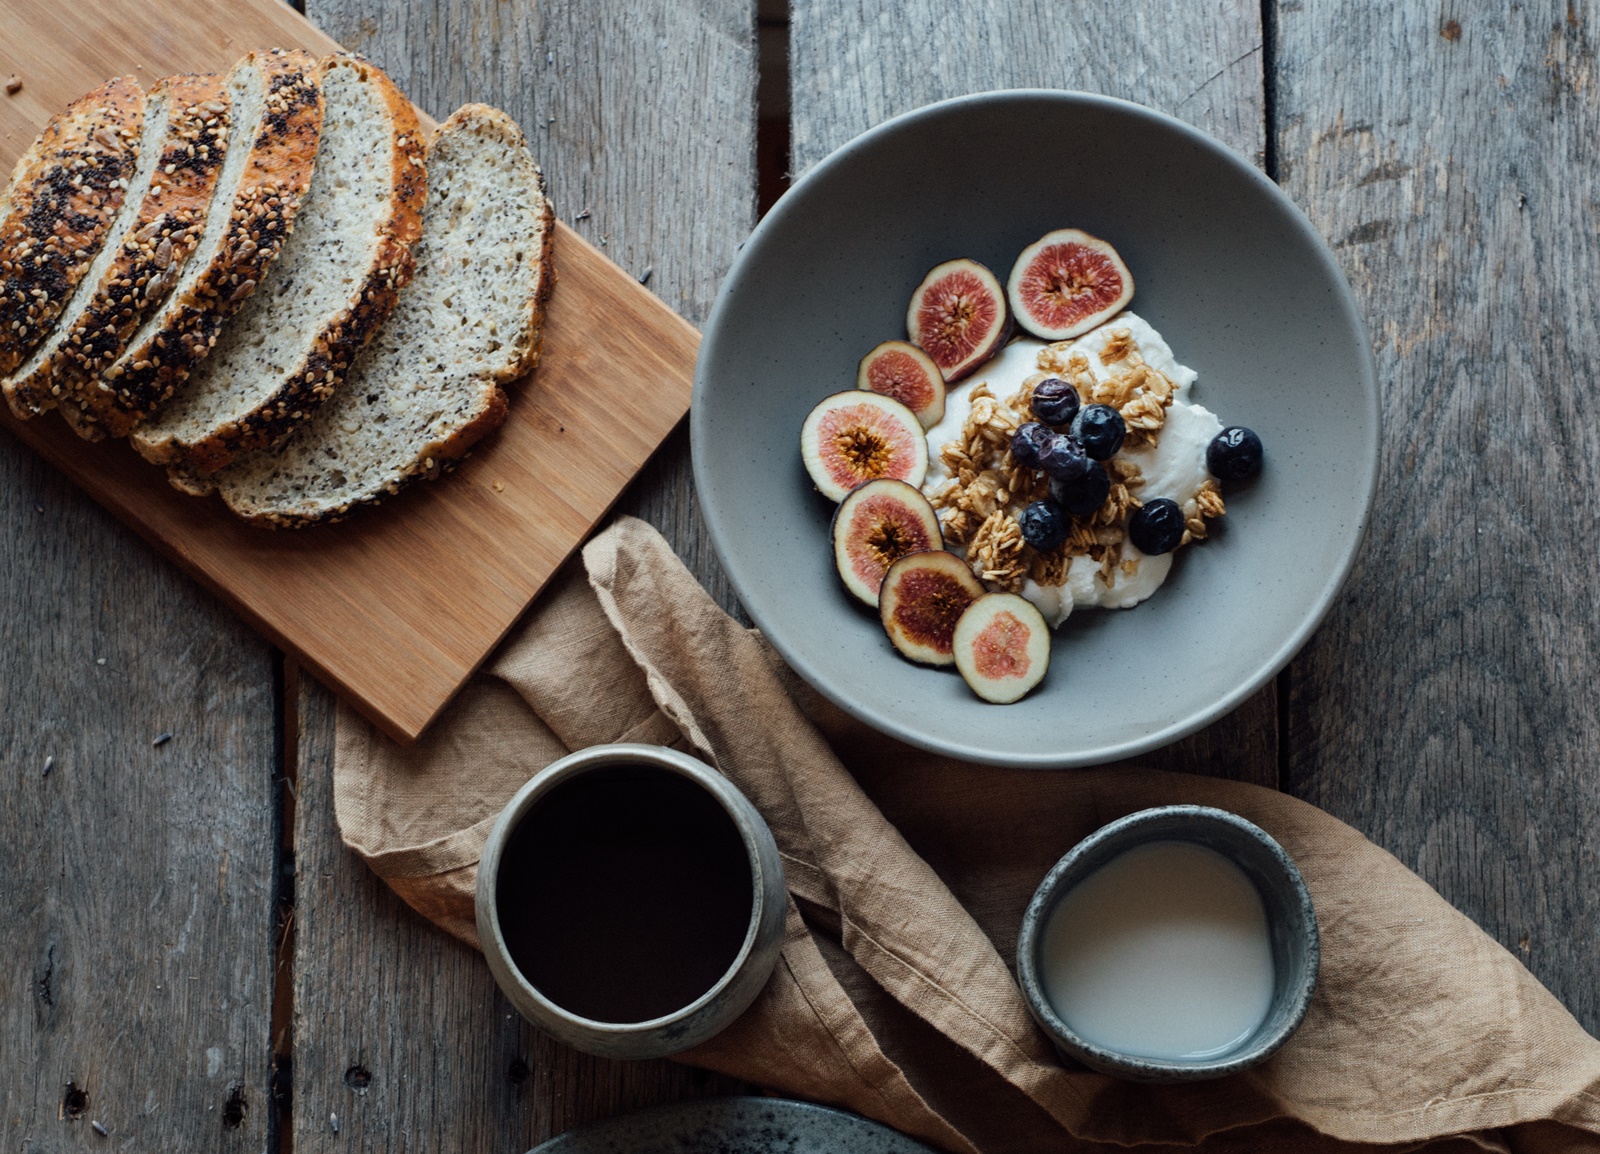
<point x="1446" y="709"/>
<point x="854" y="64"/>
<point x="398" y="606"/>
<point x="136" y="879"/>
<point x="654" y="136"/>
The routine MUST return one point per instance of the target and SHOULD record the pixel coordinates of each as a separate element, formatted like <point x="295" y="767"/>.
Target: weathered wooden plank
<point x="643" y="117"/>
<point x="1446" y="708"/>
<point x="854" y="64"/>
<point x="137" y="878"/>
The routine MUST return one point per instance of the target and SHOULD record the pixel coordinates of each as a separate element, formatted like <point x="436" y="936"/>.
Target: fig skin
<point x="1002" y="647"/>
<point x="877" y="524"/>
<point x="901" y="370"/>
<point x="858" y="436"/>
<point x="923" y="596"/>
<point x="953" y="298"/>
<point x="1067" y="282"/>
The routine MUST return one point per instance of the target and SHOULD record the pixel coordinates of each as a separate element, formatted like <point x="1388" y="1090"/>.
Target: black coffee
<point x="624" y="893"/>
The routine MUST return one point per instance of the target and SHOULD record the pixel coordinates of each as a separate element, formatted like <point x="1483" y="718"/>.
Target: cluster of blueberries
<point x="1079" y="484"/>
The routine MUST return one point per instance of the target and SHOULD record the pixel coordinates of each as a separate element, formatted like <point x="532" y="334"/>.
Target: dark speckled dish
<point x="1225" y="267"/>
<point x="1291" y="925"/>
<point x="734" y="1126"/>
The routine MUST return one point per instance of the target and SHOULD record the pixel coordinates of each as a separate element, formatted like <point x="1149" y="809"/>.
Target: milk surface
<point x="1161" y="953"/>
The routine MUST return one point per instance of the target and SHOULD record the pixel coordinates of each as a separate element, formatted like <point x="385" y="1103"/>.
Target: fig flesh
<point x="900" y="370"/>
<point x="1066" y="283"/>
<point x="857" y="436"/>
<point x="958" y="316"/>
<point x="922" y="598"/>
<point x="1002" y="647"/>
<point x="877" y="524"/>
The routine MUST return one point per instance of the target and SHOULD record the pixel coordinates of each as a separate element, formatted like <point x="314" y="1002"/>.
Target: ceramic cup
<point x="1291" y="928"/>
<point x="716" y="1007"/>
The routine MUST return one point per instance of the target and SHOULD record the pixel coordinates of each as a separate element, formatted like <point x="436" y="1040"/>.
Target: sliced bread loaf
<point x="180" y="153"/>
<point x="64" y="192"/>
<point x="276" y="102"/>
<point x="336" y="280"/>
<point x="428" y="386"/>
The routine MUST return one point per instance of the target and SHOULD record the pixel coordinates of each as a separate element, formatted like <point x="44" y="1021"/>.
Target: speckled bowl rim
<point x="1140" y="1068"/>
<point x="802" y="1127"/>
<point x="794" y="652"/>
<point x="751" y="834"/>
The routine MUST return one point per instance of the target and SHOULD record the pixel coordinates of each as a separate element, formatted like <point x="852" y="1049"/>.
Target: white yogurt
<point x="1175" y="466"/>
<point x="1163" y="952"/>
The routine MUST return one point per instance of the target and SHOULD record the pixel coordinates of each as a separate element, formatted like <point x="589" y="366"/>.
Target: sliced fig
<point x="923" y="596"/>
<point x="1067" y="282"/>
<point x="958" y="316"/>
<point x="1002" y="647"/>
<point x="855" y="436"/>
<point x="876" y="525"/>
<point x="901" y="370"/>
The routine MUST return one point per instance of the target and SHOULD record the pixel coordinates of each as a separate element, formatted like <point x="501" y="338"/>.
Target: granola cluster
<point x="987" y="489"/>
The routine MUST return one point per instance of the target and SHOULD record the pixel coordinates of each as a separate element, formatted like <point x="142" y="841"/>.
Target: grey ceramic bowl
<point x="1291" y="925"/>
<point x="734" y="1126"/>
<point x="708" y="1014"/>
<point x="1225" y="267"/>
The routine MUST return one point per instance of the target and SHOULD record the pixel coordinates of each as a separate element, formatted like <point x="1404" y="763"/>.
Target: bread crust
<point x="65" y="191"/>
<point x="261" y="215"/>
<point x="332" y="351"/>
<point x="440" y="457"/>
<point x="166" y="230"/>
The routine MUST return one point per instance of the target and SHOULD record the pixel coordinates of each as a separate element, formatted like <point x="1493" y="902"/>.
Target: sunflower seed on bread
<point x="181" y="147"/>
<point x="64" y="192"/>
<point x="276" y="100"/>
<point x="429" y="385"/>
<point x="336" y="280"/>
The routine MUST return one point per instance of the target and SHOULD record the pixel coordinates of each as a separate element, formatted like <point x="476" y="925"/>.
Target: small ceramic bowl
<point x="1291" y="928"/>
<point x="718" y="1006"/>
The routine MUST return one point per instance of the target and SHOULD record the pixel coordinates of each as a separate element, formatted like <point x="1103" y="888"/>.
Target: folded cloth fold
<point x="908" y="875"/>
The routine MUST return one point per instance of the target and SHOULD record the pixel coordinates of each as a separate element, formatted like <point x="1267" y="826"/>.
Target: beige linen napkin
<point x="908" y="875"/>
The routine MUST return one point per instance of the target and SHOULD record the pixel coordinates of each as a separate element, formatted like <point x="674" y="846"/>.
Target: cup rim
<point x="1052" y="889"/>
<point x="576" y="764"/>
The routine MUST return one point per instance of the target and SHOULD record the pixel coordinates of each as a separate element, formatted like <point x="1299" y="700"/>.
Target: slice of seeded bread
<point x="428" y="386"/>
<point x="336" y="280"/>
<point x="63" y="195"/>
<point x="276" y="102"/>
<point x="180" y="153"/>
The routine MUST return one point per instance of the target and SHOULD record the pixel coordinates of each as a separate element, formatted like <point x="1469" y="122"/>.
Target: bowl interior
<point x="1225" y="267"/>
<point x="1291" y="928"/>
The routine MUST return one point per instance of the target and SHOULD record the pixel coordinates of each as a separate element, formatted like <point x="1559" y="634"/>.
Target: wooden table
<point x="190" y="957"/>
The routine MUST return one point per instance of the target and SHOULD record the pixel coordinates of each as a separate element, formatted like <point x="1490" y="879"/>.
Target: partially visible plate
<point x="1226" y="268"/>
<point x="733" y="1126"/>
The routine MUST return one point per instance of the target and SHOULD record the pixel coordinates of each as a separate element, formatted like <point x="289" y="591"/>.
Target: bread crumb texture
<point x="428" y="385"/>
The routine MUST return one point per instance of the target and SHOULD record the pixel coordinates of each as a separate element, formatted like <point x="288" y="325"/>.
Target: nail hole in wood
<point x="235" y="1108"/>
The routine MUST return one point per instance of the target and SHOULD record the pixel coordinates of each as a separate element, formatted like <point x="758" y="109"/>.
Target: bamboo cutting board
<point x="395" y="608"/>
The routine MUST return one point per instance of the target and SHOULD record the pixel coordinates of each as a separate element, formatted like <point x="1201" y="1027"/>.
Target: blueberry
<point x="1081" y="496"/>
<point x="1027" y="442"/>
<point x="1234" y="454"/>
<point x="1099" y="429"/>
<point x="1043" y="525"/>
<point x="1054" y="401"/>
<point x="1157" y="528"/>
<point x="1063" y="457"/>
